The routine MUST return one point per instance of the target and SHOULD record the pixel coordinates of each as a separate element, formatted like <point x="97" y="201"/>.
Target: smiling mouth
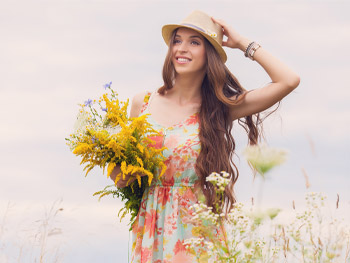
<point x="183" y="60"/>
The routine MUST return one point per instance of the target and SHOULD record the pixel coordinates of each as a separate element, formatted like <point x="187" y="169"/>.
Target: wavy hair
<point x="220" y="89"/>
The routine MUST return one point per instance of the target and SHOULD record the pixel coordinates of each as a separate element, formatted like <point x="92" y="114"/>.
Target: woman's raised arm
<point x="283" y="79"/>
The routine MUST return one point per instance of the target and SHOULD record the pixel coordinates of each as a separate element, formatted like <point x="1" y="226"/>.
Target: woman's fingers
<point x="128" y="178"/>
<point x="218" y="21"/>
<point x="222" y="23"/>
<point x="224" y="29"/>
<point x="233" y="37"/>
<point x="133" y="176"/>
<point x="123" y="183"/>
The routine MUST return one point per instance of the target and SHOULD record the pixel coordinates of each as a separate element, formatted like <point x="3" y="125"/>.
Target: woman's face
<point x="188" y="52"/>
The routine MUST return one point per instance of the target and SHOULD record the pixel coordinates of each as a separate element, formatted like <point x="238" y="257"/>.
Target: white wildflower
<point x="83" y="120"/>
<point x="220" y="181"/>
<point x="113" y="130"/>
<point x="272" y="212"/>
<point x="264" y="158"/>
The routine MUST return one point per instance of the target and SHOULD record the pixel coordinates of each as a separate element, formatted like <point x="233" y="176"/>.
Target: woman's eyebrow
<point x="190" y="36"/>
<point x="195" y="37"/>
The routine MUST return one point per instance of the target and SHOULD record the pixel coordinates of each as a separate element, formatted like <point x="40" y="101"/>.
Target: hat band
<point x="193" y="26"/>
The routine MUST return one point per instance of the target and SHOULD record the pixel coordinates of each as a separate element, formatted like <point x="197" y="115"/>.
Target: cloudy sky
<point x="56" y="54"/>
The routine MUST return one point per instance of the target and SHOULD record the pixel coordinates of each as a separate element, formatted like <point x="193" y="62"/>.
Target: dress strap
<point x="147" y="101"/>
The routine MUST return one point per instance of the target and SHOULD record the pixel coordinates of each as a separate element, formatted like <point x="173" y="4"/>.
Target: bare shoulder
<point x="136" y="103"/>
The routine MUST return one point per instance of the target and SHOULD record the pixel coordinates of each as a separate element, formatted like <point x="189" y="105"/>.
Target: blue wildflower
<point x="107" y="85"/>
<point x="93" y="139"/>
<point x="104" y="109"/>
<point x="88" y="102"/>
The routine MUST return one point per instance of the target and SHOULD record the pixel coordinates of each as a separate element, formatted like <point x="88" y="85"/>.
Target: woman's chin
<point x="185" y="71"/>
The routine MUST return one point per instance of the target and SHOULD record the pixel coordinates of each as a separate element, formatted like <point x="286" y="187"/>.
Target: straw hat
<point x="202" y="23"/>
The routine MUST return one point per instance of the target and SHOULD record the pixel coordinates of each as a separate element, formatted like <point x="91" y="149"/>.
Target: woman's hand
<point x="122" y="182"/>
<point x="234" y="39"/>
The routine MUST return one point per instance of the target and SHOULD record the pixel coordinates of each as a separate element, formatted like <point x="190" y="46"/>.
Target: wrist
<point x="243" y="43"/>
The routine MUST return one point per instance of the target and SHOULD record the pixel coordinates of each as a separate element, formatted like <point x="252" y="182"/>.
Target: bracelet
<point x="251" y="49"/>
<point x="247" y="49"/>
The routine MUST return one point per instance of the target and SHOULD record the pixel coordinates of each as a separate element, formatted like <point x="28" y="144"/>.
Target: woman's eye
<point x="195" y="43"/>
<point x="176" y="41"/>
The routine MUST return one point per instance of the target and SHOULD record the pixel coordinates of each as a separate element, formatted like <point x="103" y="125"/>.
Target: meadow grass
<point x="23" y="239"/>
<point x="312" y="234"/>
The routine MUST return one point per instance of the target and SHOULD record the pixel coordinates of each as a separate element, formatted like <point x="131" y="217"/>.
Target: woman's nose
<point x="183" y="47"/>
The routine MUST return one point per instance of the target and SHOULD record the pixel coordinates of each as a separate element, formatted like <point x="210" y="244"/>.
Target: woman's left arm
<point x="283" y="79"/>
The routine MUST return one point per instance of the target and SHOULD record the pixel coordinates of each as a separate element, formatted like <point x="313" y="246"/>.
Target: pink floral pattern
<point x="161" y="225"/>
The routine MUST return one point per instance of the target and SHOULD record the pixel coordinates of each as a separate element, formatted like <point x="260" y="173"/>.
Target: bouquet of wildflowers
<point x="105" y="136"/>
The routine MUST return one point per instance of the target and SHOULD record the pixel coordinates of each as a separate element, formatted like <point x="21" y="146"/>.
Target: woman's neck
<point x="187" y="89"/>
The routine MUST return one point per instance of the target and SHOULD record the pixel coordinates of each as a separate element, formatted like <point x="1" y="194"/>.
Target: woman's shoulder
<point x="141" y="98"/>
<point x="139" y="103"/>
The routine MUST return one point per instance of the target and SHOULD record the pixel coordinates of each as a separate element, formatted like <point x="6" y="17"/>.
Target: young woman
<point x="194" y="112"/>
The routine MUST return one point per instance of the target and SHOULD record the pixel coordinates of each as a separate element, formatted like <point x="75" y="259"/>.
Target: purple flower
<point x="88" y="102"/>
<point x="107" y="85"/>
<point x="104" y="109"/>
<point x="93" y="139"/>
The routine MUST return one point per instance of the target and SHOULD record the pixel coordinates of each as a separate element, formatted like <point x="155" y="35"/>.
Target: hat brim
<point x="167" y="30"/>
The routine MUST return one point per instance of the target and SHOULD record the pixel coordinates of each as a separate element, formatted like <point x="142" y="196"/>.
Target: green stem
<point x="260" y="192"/>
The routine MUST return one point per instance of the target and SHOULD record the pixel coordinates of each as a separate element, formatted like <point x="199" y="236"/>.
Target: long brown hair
<point x="220" y="89"/>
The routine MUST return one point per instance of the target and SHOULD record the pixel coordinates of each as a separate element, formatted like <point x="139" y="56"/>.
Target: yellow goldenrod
<point x="105" y="136"/>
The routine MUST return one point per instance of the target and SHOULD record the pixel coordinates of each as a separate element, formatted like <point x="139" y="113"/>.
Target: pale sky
<point x="56" y="54"/>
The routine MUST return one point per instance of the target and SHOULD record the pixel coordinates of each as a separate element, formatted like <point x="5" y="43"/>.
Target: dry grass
<point x="31" y="241"/>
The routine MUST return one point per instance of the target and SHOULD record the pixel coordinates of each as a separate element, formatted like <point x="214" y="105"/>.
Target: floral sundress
<point x="161" y="225"/>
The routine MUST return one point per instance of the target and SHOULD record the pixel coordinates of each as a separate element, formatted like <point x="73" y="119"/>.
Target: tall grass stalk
<point x="33" y="243"/>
